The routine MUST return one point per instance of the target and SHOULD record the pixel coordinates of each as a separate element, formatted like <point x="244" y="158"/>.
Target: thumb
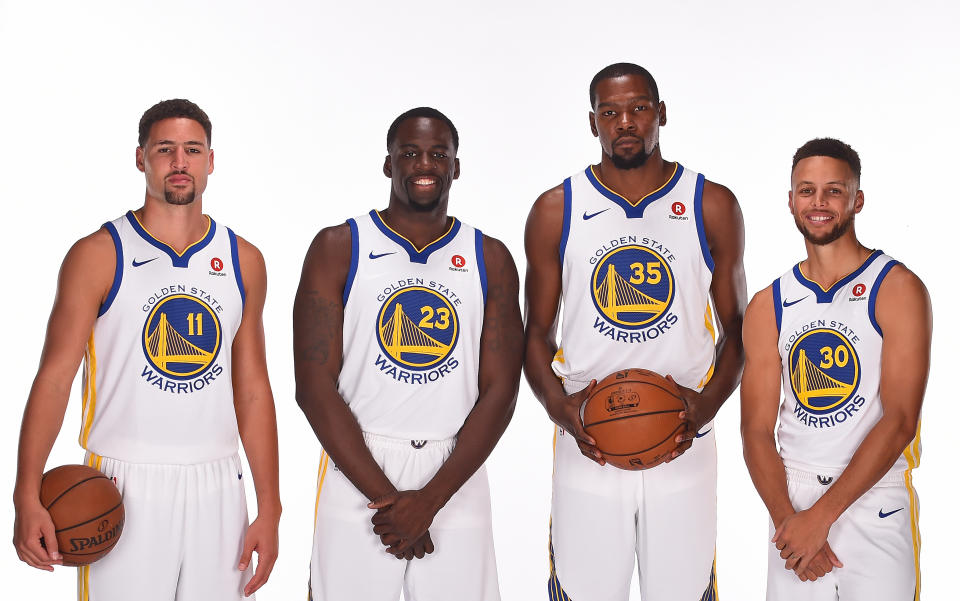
<point x="248" y="545"/>
<point x="833" y="557"/>
<point x="383" y="501"/>
<point x="48" y="535"/>
<point x="776" y="535"/>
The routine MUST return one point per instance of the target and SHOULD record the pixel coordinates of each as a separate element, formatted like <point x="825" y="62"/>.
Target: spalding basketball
<point x="86" y="509"/>
<point x="633" y="416"/>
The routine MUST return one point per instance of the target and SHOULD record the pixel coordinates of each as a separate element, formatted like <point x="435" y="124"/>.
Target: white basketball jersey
<point x="636" y="282"/>
<point x="157" y="369"/>
<point x="830" y="346"/>
<point x="412" y="321"/>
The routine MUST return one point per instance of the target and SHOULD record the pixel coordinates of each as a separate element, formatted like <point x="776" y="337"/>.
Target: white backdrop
<point x="301" y="95"/>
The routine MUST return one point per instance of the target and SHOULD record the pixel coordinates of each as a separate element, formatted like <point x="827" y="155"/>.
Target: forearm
<point x="538" y="357"/>
<point x="768" y="474"/>
<point x="726" y="375"/>
<point x="257" y="421"/>
<point x="42" y="420"/>
<point x="872" y="460"/>
<point x="339" y="432"/>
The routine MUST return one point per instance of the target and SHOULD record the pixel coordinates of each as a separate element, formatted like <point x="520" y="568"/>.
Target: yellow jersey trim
<point x="428" y="245"/>
<point x="191" y="245"/>
<point x="676" y="166"/>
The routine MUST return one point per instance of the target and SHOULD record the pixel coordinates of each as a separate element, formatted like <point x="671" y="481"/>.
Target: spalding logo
<point x="621" y="399"/>
<point x="91" y="542"/>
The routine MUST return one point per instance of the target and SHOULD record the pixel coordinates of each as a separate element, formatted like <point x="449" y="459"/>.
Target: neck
<point x="177" y="225"/>
<point x="634" y="184"/>
<point x="419" y="227"/>
<point x="826" y="264"/>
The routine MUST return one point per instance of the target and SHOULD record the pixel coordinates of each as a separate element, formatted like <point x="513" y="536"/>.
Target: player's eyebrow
<point x="642" y="98"/>
<point x="171" y="142"/>
<point x="836" y="182"/>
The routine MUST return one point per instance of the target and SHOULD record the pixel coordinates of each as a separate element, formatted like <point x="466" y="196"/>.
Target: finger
<point x="786" y="553"/>
<point x="832" y="556"/>
<point x="408" y="554"/>
<point x="33" y="561"/>
<point x="383" y="501"/>
<point x="35" y="554"/>
<point x="262" y="574"/>
<point x="592" y="453"/>
<point x="48" y="539"/>
<point x="791" y="563"/>
<point x="249" y="544"/>
<point x="418" y="551"/>
<point x="776" y="534"/>
<point x="428" y="543"/>
<point x="803" y="564"/>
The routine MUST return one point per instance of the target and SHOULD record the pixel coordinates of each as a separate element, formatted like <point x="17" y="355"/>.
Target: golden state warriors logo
<point x="181" y="336"/>
<point x="417" y="327"/>
<point x="632" y="286"/>
<point x="824" y="370"/>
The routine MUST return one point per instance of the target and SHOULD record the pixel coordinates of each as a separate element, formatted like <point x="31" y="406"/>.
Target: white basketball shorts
<point x="877" y="539"/>
<point x="350" y="562"/>
<point x="182" y="537"/>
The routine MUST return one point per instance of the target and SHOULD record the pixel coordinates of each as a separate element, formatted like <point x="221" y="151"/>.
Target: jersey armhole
<point x="235" y="256"/>
<point x="701" y="230"/>
<point x="872" y="303"/>
<point x="777" y="304"/>
<point x="117" y="272"/>
<point x="481" y="265"/>
<point x="567" y="209"/>
<point x="354" y="257"/>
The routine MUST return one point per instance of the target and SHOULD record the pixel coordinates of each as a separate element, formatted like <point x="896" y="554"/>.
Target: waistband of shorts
<point x="407" y="443"/>
<point x="826" y="478"/>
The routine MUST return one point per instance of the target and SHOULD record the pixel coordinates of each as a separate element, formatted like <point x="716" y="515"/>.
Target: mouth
<point x="424" y="181"/>
<point x="179" y="179"/>
<point x="627" y="141"/>
<point x="819" y="218"/>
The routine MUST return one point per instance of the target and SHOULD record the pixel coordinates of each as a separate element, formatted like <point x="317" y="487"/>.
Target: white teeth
<point x="819" y="218"/>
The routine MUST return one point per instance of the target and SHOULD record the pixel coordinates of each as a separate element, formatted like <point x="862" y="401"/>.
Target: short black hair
<point x="172" y="109"/>
<point x="619" y="70"/>
<point x="422" y="111"/>
<point x="829" y="147"/>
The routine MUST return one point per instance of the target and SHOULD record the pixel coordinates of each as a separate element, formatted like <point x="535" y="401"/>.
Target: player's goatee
<point x="838" y="230"/>
<point x="637" y="160"/>
<point x="181" y="198"/>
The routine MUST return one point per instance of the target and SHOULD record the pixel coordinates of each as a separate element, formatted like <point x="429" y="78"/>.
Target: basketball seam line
<point x="644" y="382"/>
<point x="71" y="488"/>
<point x="641" y="450"/>
<point x="91" y="519"/>
<point x="613" y="419"/>
<point x="104" y="550"/>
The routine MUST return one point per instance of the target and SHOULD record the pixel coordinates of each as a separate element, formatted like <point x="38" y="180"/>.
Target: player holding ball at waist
<point x="640" y="253"/>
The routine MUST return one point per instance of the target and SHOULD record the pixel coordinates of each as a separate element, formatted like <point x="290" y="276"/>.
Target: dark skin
<point x="421" y="166"/>
<point x="627" y="120"/>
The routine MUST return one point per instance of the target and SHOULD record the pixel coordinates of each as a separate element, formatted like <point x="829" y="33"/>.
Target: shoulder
<point x="719" y="199"/>
<point x="545" y="220"/>
<point x="761" y="304"/>
<point x="336" y="238"/>
<point x="248" y="254"/>
<point x="903" y="291"/>
<point x="760" y="321"/>
<point x="96" y="252"/>
<point x="496" y="254"/>
<point x="549" y="201"/>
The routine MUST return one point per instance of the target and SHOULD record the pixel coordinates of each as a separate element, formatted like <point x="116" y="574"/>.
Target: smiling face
<point x="627" y="118"/>
<point x="824" y="198"/>
<point x="176" y="160"/>
<point x="422" y="164"/>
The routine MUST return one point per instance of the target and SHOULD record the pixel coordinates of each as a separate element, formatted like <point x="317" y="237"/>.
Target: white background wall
<point x="301" y="95"/>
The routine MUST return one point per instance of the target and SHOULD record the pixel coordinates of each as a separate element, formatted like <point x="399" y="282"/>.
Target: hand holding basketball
<point x="31" y="529"/>
<point x="565" y="412"/>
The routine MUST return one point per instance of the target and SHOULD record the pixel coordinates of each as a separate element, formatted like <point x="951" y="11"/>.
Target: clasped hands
<point x="801" y="539"/>
<point x="401" y="520"/>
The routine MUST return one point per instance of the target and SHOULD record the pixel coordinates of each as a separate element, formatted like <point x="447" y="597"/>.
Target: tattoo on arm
<point x="502" y="335"/>
<point x="318" y="328"/>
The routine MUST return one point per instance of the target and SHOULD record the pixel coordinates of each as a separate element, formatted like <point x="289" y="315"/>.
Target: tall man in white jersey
<point x="162" y="423"/>
<point x="408" y="348"/>
<point x="670" y="244"/>
<point x="847" y="332"/>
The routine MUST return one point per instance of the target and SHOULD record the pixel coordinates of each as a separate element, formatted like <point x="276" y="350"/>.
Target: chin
<point x="179" y="199"/>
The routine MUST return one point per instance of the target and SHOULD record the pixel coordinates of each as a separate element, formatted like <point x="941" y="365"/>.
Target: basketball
<point x="632" y="414"/>
<point x="86" y="509"/>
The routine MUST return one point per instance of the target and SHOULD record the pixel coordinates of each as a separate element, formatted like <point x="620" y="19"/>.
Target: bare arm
<point x="84" y="283"/>
<point x="256" y="417"/>
<point x="544" y="286"/>
<point x="906" y="319"/>
<point x="501" y="356"/>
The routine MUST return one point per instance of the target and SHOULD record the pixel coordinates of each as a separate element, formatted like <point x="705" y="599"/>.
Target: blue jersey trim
<point x="826" y="296"/>
<point x="872" y="303"/>
<point x="567" y="212"/>
<point x="416" y="255"/>
<point x="176" y="258"/>
<point x="481" y="265"/>
<point x="354" y="259"/>
<point x="634" y="211"/>
<point x="235" y="255"/>
<point x="777" y="303"/>
<point x="117" y="272"/>
<point x="701" y="229"/>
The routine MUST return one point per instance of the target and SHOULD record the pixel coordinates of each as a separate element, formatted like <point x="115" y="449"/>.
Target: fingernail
<point x="242" y="567"/>
<point x="56" y="556"/>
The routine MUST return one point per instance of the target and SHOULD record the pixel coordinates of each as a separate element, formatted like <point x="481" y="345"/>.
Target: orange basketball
<point x="86" y="509"/>
<point x="633" y="416"/>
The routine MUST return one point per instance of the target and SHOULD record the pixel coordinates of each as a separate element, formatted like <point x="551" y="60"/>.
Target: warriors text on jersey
<point x="412" y="321"/>
<point x="157" y="376"/>
<point x="830" y="344"/>
<point x="636" y="281"/>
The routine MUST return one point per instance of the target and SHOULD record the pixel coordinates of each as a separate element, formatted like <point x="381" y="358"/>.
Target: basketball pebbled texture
<point x="87" y="511"/>
<point x="632" y="414"/>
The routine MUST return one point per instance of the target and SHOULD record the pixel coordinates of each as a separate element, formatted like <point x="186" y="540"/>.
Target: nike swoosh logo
<point x="883" y="515"/>
<point x="699" y="435"/>
<point x="139" y="263"/>
<point x="373" y="256"/>
<point x="592" y="215"/>
<point x="787" y="303"/>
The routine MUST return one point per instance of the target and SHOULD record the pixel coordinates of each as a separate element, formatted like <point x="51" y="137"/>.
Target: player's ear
<point x="858" y="202"/>
<point x="210" y="161"/>
<point x="456" y="168"/>
<point x="790" y="201"/>
<point x="387" y="167"/>
<point x="593" y="125"/>
<point x="663" y="113"/>
<point x="140" y="158"/>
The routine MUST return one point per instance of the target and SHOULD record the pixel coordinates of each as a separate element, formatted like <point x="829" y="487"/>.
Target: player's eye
<point x="409" y="154"/>
<point x="439" y="155"/>
<point x="608" y="113"/>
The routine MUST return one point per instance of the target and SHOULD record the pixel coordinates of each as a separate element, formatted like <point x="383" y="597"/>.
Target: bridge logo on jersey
<point x="632" y="286"/>
<point x="417" y="328"/>
<point x="181" y="337"/>
<point x="824" y="375"/>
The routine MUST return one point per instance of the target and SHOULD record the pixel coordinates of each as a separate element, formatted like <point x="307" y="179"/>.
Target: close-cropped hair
<point x="422" y="111"/>
<point x="172" y="109"/>
<point x="829" y="147"/>
<point x="620" y="70"/>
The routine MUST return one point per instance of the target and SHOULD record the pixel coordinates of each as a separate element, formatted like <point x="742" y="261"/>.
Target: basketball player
<point x="634" y="249"/>
<point x="847" y="331"/>
<point x="408" y="348"/>
<point x="164" y="305"/>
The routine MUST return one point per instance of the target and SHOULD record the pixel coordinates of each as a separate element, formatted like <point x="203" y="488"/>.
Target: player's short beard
<point x="179" y="198"/>
<point x="637" y="160"/>
<point x="836" y="233"/>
